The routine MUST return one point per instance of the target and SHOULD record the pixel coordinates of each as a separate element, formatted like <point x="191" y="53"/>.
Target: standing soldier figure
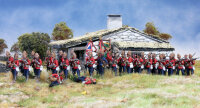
<point x="109" y="58"/>
<point x="169" y="64"/>
<point x="180" y="65"/>
<point x="121" y="63"/>
<point x="148" y="64"/>
<point x="53" y="63"/>
<point x="138" y="62"/>
<point x="75" y="65"/>
<point x="101" y="62"/>
<point x="129" y="62"/>
<point x="25" y="63"/>
<point x="154" y="62"/>
<point x="10" y="59"/>
<point x="114" y="63"/>
<point x="37" y="63"/>
<point x="190" y="65"/>
<point x="14" y="66"/>
<point x="161" y="65"/>
<point x="90" y="62"/>
<point x="65" y="64"/>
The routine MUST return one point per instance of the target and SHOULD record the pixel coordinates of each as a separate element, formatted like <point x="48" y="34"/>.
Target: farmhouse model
<point x="122" y="37"/>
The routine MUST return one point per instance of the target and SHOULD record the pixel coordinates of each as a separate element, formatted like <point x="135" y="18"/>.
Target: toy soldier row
<point x="129" y="63"/>
<point x="24" y="65"/>
<point x="162" y="66"/>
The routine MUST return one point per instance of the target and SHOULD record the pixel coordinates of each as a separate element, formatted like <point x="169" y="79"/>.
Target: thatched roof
<point x="142" y="45"/>
<point x="95" y="36"/>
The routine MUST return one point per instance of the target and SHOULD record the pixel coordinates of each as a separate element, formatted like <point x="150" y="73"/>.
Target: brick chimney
<point x="114" y="21"/>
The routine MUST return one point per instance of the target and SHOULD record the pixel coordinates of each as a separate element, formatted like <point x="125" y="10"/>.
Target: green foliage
<point x="3" y="45"/>
<point x="61" y="31"/>
<point x="35" y="41"/>
<point x="165" y="36"/>
<point x="15" y="47"/>
<point x="151" y="29"/>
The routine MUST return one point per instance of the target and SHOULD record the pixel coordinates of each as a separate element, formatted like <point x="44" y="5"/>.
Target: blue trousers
<point x="138" y="69"/>
<point x="128" y="69"/>
<point x="120" y="69"/>
<point x="148" y="70"/>
<point x="131" y="70"/>
<point x="14" y="73"/>
<point x="37" y="72"/>
<point x="91" y="69"/>
<point x="160" y="71"/>
<point x="54" y="71"/>
<point x="114" y="68"/>
<point x="101" y="70"/>
<point x="170" y="71"/>
<point x="190" y="70"/>
<point x="74" y="71"/>
<point x="178" y="70"/>
<point x="66" y="73"/>
<point x="26" y="73"/>
<point x="54" y="83"/>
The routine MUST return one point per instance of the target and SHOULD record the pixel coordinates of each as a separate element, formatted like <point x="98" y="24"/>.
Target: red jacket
<point x="138" y="62"/>
<point x="75" y="64"/>
<point x="122" y="60"/>
<point x="180" y="64"/>
<point x="191" y="63"/>
<point x="148" y="63"/>
<point x="109" y="58"/>
<point x="15" y="63"/>
<point x="114" y="62"/>
<point x="154" y="61"/>
<point x="170" y="63"/>
<point x="161" y="64"/>
<point x="37" y="63"/>
<point x="59" y="78"/>
<point x="10" y="59"/>
<point x="129" y="60"/>
<point x="65" y="63"/>
<point x="91" y="61"/>
<point x="48" y="60"/>
<point x="25" y="63"/>
<point x="55" y="63"/>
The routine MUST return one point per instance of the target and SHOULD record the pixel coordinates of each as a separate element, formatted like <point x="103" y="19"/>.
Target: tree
<point x="3" y="45"/>
<point x="15" y="47"/>
<point x="151" y="29"/>
<point x="165" y="36"/>
<point x="61" y="31"/>
<point x="35" y="41"/>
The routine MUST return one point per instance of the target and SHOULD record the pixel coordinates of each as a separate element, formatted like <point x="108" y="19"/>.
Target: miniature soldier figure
<point x="180" y="65"/>
<point x="25" y="63"/>
<point x="129" y="62"/>
<point x="161" y="65"/>
<point x="15" y="67"/>
<point x="154" y="62"/>
<point x="122" y="63"/>
<point x="190" y="65"/>
<point x="37" y="63"/>
<point x="148" y="64"/>
<point x="169" y="64"/>
<point x="138" y="62"/>
<point x="90" y="62"/>
<point x="75" y="65"/>
<point x="53" y="65"/>
<point x="65" y="64"/>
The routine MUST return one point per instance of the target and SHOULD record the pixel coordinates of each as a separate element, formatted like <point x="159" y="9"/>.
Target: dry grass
<point x="133" y="90"/>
